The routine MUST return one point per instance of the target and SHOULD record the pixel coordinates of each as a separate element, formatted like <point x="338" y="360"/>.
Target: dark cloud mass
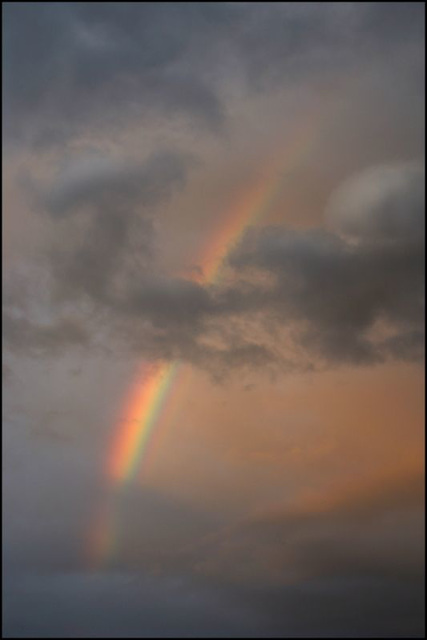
<point x="339" y="289"/>
<point x="126" y="60"/>
<point x="351" y="294"/>
<point x="123" y="59"/>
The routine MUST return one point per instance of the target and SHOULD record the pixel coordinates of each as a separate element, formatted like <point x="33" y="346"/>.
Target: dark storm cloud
<point x="169" y="301"/>
<point x="70" y="66"/>
<point x="331" y="290"/>
<point x="337" y="287"/>
<point x="350" y="294"/>
<point x="296" y="41"/>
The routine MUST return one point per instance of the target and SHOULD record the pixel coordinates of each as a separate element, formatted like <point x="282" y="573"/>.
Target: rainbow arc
<point x="150" y="393"/>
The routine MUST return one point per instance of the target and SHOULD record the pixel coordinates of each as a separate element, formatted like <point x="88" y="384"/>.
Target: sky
<point x="213" y="320"/>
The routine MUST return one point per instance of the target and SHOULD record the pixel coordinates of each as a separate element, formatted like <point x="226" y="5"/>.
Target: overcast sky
<point x="280" y="493"/>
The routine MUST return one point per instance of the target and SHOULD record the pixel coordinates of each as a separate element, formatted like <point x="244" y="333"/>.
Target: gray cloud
<point x="337" y="289"/>
<point x="107" y="183"/>
<point x="114" y="249"/>
<point x="102" y="243"/>
<point x="382" y="204"/>
<point x="340" y="540"/>
<point x="353" y="294"/>
<point x="24" y="336"/>
<point x="69" y="66"/>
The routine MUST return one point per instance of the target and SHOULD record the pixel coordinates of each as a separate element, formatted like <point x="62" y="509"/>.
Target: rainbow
<point x="151" y="391"/>
<point x="244" y="212"/>
<point x="150" y="395"/>
<point x="140" y="416"/>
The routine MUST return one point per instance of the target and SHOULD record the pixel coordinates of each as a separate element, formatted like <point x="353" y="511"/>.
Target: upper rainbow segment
<point x="244" y="211"/>
<point x="258" y="198"/>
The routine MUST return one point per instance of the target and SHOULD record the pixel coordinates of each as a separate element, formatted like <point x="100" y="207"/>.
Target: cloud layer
<point x="350" y="294"/>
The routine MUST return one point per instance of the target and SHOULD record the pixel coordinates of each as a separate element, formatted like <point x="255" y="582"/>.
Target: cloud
<point x="32" y="338"/>
<point x="345" y="294"/>
<point x="381" y="204"/>
<point x="71" y="68"/>
<point x="99" y="209"/>
<point x="350" y="294"/>
<point x="344" y="301"/>
<point x="97" y="181"/>
<point x="364" y="531"/>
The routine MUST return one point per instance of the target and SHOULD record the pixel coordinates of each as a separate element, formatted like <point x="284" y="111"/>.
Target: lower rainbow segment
<point x="147" y="400"/>
<point x="103" y="536"/>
